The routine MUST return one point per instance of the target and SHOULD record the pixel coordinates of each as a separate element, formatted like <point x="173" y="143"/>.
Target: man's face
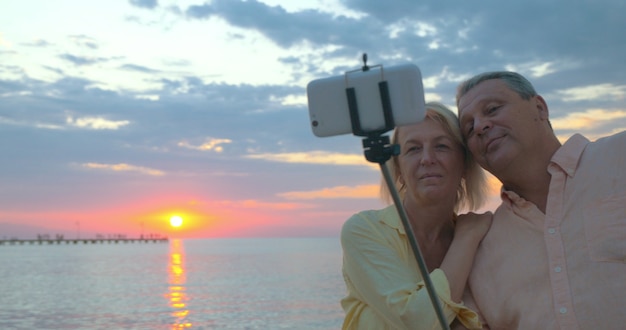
<point x="500" y="127"/>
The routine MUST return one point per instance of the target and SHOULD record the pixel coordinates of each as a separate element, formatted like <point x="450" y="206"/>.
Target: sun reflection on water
<point x="176" y="279"/>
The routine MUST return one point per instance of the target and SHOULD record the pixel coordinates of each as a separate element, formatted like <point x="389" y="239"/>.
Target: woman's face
<point x="431" y="163"/>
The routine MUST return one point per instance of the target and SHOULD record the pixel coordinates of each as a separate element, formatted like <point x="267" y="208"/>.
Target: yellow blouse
<point x="385" y="287"/>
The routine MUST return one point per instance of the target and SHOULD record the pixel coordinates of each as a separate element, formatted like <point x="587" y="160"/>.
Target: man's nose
<point x="481" y="125"/>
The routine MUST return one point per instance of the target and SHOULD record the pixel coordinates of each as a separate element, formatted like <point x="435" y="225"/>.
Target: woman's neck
<point x="431" y="223"/>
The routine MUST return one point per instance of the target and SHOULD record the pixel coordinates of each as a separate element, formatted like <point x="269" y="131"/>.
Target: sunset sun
<point x="176" y="221"/>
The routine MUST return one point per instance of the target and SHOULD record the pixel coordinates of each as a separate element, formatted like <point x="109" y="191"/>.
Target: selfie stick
<point x="378" y="149"/>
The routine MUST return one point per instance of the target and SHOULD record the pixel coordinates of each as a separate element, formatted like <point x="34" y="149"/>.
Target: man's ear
<point x="542" y="107"/>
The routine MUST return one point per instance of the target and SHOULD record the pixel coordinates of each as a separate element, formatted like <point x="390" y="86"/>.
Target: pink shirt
<point x="565" y="269"/>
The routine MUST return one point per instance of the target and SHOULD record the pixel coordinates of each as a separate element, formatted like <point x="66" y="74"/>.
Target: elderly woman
<point x="435" y="177"/>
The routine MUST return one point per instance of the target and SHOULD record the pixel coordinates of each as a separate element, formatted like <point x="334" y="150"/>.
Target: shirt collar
<point x="566" y="158"/>
<point x="391" y="218"/>
<point x="568" y="155"/>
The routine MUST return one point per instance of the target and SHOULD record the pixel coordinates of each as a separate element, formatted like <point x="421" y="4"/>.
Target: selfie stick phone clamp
<point x="378" y="149"/>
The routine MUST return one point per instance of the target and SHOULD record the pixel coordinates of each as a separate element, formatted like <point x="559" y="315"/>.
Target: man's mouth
<point x="492" y="143"/>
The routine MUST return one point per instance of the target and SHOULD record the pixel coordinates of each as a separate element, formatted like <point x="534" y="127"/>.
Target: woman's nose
<point x="428" y="157"/>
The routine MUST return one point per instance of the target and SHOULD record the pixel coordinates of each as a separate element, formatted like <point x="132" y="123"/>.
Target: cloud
<point x="314" y="157"/>
<point x="594" y="92"/>
<point x="138" y="68"/>
<point x="82" y="60"/>
<point x="535" y="69"/>
<point x="260" y="205"/>
<point x="96" y="123"/>
<point x="55" y="70"/>
<point x="293" y="99"/>
<point x="122" y="167"/>
<point x="306" y="25"/>
<point x="84" y="41"/>
<point x="223" y="82"/>
<point x="148" y="4"/>
<point x="15" y="93"/>
<point x="357" y="192"/>
<point x="211" y="144"/>
<point x="588" y="120"/>
<point x="151" y="97"/>
<point x="4" y="42"/>
<point x="36" y="124"/>
<point x="37" y="43"/>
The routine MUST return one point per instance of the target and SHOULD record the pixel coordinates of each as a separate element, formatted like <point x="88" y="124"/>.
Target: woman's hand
<point x="473" y="225"/>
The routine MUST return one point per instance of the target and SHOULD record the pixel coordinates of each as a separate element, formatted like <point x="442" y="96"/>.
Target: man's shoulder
<point x="618" y="139"/>
<point x="608" y="149"/>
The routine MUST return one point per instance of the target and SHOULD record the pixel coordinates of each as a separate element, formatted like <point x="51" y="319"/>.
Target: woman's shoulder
<point x="367" y="219"/>
<point x="371" y="215"/>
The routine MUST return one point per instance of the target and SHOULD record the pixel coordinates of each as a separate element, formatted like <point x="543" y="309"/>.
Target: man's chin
<point x="495" y="164"/>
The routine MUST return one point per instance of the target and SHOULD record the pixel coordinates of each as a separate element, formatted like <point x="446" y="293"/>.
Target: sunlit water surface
<point x="183" y="284"/>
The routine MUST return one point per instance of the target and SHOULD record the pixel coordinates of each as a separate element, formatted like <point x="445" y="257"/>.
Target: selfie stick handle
<point x="378" y="149"/>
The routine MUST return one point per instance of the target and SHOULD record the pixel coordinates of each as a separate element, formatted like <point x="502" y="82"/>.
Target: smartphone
<point x="329" y="112"/>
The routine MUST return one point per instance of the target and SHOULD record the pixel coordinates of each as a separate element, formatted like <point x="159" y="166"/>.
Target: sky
<point x="117" y="115"/>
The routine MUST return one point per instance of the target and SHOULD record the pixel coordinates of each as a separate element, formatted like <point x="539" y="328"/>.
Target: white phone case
<point x="328" y="103"/>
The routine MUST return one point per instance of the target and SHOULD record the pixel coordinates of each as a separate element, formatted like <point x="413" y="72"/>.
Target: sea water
<point x="251" y="283"/>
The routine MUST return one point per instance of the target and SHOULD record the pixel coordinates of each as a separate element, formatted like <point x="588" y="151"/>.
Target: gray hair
<point x="515" y="81"/>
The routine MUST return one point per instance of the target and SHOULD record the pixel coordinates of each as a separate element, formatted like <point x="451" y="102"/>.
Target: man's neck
<point x="531" y="183"/>
<point x="533" y="189"/>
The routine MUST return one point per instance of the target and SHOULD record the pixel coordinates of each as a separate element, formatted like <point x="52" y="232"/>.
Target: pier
<point x="15" y="241"/>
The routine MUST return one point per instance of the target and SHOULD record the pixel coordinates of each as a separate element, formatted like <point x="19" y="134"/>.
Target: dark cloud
<point x="84" y="41"/>
<point x="148" y="4"/>
<point x="55" y="70"/>
<point x="37" y="43"/>
<point x="138" y="68"/>
<point x="484" y="37"/>
<point x="497" y="33"/>
<point x="10" y="86"/>
<point x="82" y="60"/>
<point x="187" y="110"/>
<point x="218" y="110"/>
<point x="288" y="29"/>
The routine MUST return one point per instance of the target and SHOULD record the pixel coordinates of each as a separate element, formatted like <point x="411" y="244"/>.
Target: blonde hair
<point x="472" y="191"/>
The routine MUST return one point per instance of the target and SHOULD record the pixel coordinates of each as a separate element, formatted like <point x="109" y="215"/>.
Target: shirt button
<point x="557" y="269"/>
<point x="551" y="231"/>
<point x="563" y="310"/>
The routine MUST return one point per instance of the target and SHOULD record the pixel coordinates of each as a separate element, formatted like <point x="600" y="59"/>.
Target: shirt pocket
<point x="605" y="229"/>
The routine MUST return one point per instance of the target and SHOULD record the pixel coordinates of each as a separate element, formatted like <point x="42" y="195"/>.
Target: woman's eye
<point x="412" y="149"/>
